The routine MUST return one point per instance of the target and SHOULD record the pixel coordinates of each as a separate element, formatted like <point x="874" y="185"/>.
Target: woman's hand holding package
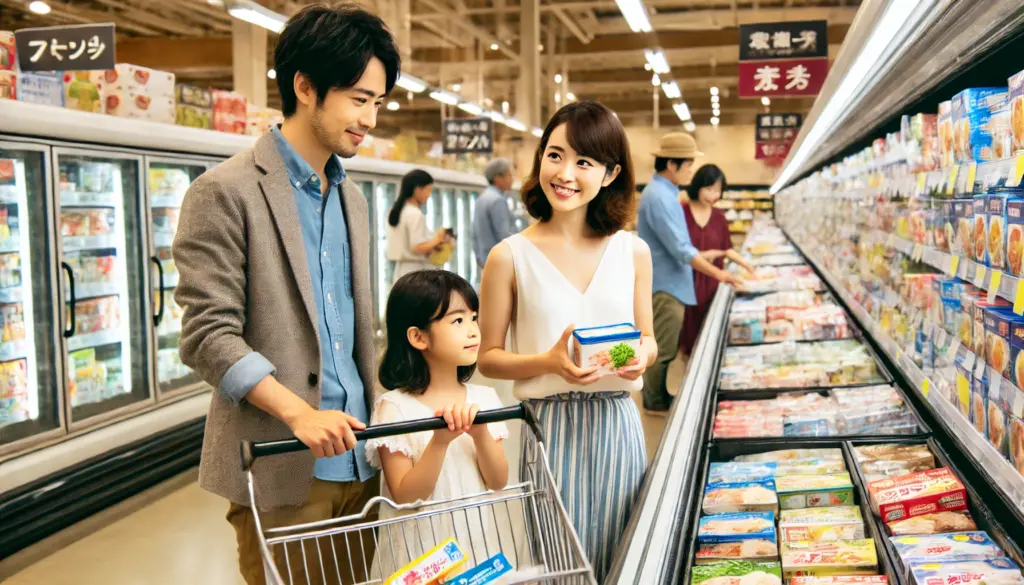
<point x="561" y="363"/>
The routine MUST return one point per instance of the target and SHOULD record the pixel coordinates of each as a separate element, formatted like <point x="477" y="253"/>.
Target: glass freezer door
<point x="463" y="244"/>
<point x="448" y="220"/>
<point x="384" y="195"/>
<point x="105" y="325"/>
<point x="167" y="181"/>
<point x="30" y="406"/>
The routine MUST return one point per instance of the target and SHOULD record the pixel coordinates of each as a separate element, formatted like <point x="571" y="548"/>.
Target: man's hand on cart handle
<point x="326" y="432"/>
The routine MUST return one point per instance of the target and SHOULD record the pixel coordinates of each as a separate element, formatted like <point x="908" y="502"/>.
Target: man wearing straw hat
<point x="661" y="223"/>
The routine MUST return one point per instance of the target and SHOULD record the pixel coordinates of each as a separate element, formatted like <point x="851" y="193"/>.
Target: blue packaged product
<point x="752" y="496"/>
<point x="1002" y="571"/>
<point x="997" y="337"/>
<point x="980" y="230"/>
<point x="959" y="546"/>
<point x="1015" y="236"/>
<point x="737" y="472"/>
<point x="736" y="526"/>
<point x="972" y="110"/>
<point x="996" y="224"/>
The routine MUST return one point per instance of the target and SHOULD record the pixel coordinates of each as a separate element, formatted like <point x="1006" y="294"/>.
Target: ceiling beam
<point x="139" y="15"/>
<point x="465" y="24"/>
<point x="170" y="54"/>
<point x="720" y="19"/>
<point x="573" y="26"/>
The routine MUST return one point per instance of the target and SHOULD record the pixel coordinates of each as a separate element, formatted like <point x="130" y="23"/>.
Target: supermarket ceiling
<point x="588" y="38"/>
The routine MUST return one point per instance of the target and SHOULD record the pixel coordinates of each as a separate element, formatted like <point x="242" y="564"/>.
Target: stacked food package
<point x="230" y="112"/>
<point x="798" y="365"/>
<point x="140" y="93"/>
<point x="786" y="315"/>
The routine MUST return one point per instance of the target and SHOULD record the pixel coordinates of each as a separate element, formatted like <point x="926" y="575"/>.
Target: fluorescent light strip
<point x="895" y="17"/>
<point x="635" y="14"/>
<point x="259" y="16"/>
<point x="682" y="110"/>
<point x="657" y="60"/>
<point x="471" y="108"/>
<point x="515" y="124"/>
<point x="538" y="132"/>
<point x="497" y="117"/>
<point x="445" y="97"/>
<point x="671" y="90"/>
<point x="410" y="83"/>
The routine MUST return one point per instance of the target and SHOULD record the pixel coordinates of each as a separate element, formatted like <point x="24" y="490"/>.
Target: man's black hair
<point x="661" y="163"/>
<point x="331" y="45"/>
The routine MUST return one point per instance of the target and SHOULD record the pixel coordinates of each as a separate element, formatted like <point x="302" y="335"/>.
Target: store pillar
<point x="249" y="61"/>
<point x="528" y="106"/>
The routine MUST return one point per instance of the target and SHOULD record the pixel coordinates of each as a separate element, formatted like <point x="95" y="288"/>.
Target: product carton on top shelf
<point x="139" y="92"/>
<point x="972" y="109"/>
<point x="41" y="88"/>
<point x="946" y="134"/>
<point x="194" y="106"/>
<point x="230" y="112"/>
<point x="8" y="66"/>
<point x="1016" y="104"/>
<point x="261" y="120"/>
<point x="139" y="79"/>
<point x="85" y="91"/>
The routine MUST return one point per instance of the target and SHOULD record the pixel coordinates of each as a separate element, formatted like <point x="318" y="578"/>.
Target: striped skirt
<point x="598" y="457"/>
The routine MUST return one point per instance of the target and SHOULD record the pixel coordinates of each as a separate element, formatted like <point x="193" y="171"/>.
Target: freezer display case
<point x="384" y="195"/>
<point x="30" y="405"/>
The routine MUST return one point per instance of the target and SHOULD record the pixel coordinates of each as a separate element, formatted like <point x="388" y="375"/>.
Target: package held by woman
<point x="609" y="347"/>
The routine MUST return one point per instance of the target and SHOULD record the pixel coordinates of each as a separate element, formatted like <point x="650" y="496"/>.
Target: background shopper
<point x="662" y="224"/>
<point x="492" y="220"/>
<point x="273" y="254"/>
<point x="709" y="231"/>
<point x="576" y="268"/>
<point x="410" y="242"/>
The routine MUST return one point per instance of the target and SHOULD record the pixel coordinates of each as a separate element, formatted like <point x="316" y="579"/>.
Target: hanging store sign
<point x="66" y="48"/>
<point x="779" y="59"/>
<point x="468" y="135"/>
<point x="775" y="134"/>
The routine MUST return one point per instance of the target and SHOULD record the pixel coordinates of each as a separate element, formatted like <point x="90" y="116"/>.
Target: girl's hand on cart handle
<point x="561" y="363"/>
<point x="327" y="433"/>
<point x="459" y="418"/>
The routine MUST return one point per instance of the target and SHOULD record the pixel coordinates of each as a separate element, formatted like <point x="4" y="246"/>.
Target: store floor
<point x="182" y="537"/>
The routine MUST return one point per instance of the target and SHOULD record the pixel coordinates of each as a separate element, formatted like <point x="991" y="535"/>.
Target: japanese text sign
<point x="784" y="40"/>
<point x="468" y="135"/>
<point x="66" y="48"/>
<point x="776" y="133"/>
<point x="790" y="77"/>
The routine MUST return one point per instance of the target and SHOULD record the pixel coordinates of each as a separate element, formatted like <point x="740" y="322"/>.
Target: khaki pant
<point x="327" y="499"/>
<point x="668" y="326"/>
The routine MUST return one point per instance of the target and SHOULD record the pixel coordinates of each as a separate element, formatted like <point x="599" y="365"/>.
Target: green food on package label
<point x="621" y="355"/>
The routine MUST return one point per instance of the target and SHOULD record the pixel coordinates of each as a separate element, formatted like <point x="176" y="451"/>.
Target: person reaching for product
<point x="432" y="345"/>
<point x="410" y="244"/>
<point x="709" y="231"/>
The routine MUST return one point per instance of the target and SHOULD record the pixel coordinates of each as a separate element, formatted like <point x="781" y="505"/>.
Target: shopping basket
<point x="545" y="549"/>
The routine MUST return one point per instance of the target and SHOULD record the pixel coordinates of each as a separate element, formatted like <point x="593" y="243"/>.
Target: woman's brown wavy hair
<point x="595" y="132"/>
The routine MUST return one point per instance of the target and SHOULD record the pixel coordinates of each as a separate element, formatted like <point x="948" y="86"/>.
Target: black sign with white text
<point x="784" y="40"/>
<point x="468" y="135"/>
<point x="66" y="48"/>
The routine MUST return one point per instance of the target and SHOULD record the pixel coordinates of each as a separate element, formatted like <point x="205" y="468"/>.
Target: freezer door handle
<point x="160" y="291"/>
<point x="72" y="301"/>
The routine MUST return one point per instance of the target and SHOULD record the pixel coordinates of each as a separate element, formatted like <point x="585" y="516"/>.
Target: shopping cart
<point x="532" y="528"/>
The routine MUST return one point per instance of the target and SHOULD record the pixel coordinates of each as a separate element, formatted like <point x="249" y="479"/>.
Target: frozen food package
<point x="988" y="572"/>
<point x="1016" y="105"/>
<point x="752" y="496"/>
<point x="935" y="523"/>
<point x="744" y="535"/>
<point x="887" y="460"/>
<point x="735" y="472"/>
<point x="841" y="580"/>
<point x="791" y="454"/>
<point x="961" y="546"/>
<point x="609" y="347"/>
<point x="821" y="524"/>
<point x="814" y="491"/>
<point x="924" y="492"/>
<point x="840" y="557"/>
<point x="737" y="573"/>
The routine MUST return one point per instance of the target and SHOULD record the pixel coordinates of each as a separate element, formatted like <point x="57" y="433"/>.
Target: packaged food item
<point x="935" y="523"/>
<point x="924" y="492"/>
<point x="1015" y="237"/>
<point x="8" y="51"/>
<point x="44" y="88"/>
<point x="963" y="211"/>
<point x="84" y="91"/>
<point x="1016" y="103"/>
<point x="999" y="415"/>
<point x="431" y="567"/>
<point x="260" y="120"/>
<point x="140" y="106"/>
<point x="972" y="141"/>
<point x="793" y="454"/>
<point x="194" y="106"/>
<point x="841" y="580"/>
<point x="946" y="134"/>
<point x="745" y="535"/>
<point x="1000" y="571"/>
<point x="821" y="524"/>
<point x="736" y="472"/>
<point x="609" y="347"/>
<point x="814" y="491"/>
<point x="1015" y="425"/>
<point x="143" y="80"/>
<point x="822" y="559"/>
<point x="979" y="305"/>
<point x="997" y="337"/>
<point x="229" y="112"/>
<point x="999" y="128"/>
<point x="887" y="460"/>
<point x="722" y="498"/>
<point x="962" y="546"/>
<point x="490" y="570"/>
<point x="996" y="204"/>
<point x="737" y="573"/>
<point x="980" y="230"/>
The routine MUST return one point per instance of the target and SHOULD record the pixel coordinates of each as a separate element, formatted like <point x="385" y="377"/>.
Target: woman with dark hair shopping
<point x="709" y="232"/>
<point x="410" y="243"/>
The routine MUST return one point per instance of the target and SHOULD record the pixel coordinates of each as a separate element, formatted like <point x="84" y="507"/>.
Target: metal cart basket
<point x="525" y="522"/>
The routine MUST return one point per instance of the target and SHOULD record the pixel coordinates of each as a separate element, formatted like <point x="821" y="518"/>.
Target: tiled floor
<point x="183" y="539"/>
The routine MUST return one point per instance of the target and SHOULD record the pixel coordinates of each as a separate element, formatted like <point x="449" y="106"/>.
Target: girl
<point x="433" y="340"/>
<point x="709" y="232"/>
<point x="409" y="239"/>
<point x="576" y="268"/>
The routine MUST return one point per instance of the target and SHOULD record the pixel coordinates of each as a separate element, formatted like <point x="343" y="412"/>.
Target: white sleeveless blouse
<point x="546" y="303"/>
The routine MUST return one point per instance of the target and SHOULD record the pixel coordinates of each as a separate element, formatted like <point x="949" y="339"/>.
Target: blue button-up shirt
<point x="330" y="268"/>
<point x="492" y="222"/>
<point x="661" y="222"/>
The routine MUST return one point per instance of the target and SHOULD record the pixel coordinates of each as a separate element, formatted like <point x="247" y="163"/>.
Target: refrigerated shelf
<point x="95" y="339"/>
<point x="86" y="199"/>
<point x="163" y="240"/>
<point x="166" y="201"/>
<point x="10" y="245"/>
<point x="12" y="294"/>
<point x="88" y="290"/>
<point x="85" y="243"/>
<point x="14" y="350"/>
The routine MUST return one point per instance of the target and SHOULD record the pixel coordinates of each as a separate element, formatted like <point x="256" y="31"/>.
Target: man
<point x="661" y="222"/>
<point x="492" y="220"/>
<point x="273" y="254"/>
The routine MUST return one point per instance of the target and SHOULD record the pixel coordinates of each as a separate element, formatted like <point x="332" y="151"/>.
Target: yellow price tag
<point x="972" y="172"/>
<point x="979" y="275"/>
<point x="892" y="241"/>
<point x="922" y="179"/>
<point x="1018" y="299"/>
<point x="951" y="184"/>
<point x="1018" y="172"/>
<point x="954" y="263"/>
<point x="993" y="285"/>
<point x="926" y="387"/>
<point x="963" y="390"/>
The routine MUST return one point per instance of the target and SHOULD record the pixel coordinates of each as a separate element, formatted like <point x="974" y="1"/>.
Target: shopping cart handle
<point x="251" y="451"/>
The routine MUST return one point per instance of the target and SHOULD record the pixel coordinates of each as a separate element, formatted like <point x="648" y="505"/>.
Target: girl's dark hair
<point x="332" y="45"/>
<point x="418" y="299"/>
<point x="705" y="176"/>
<point x="413" y="180"/>
<point x="593" y="131"/>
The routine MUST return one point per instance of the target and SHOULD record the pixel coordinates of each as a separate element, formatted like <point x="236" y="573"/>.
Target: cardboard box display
<point x="85" y="91"/>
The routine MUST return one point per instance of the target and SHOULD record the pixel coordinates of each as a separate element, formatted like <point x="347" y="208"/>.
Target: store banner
<point x="468" y="135"/>
<point x="779" y="59"/>
<point x="775" y="134"/>
<point x="66" y="48"/>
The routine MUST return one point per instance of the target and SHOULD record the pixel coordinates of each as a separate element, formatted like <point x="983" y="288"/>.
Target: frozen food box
<point x="8" y="85"/>
<point x="744" y="535"/>
<point x="946" y="134"/>
<point x="1015" y="237"/>
<point x="753" y="496"/>
<point x="139" y="105"/>
<point x="142" y="80"/>
<point x="999" y="128"/>
<point x="972" y="141"/>
<point x="8" y="51"/>
<point x="194" y="106"/>
<point x="45" y="89"/>
<point x="963" y="210"/>
<point x="260" y="120"/>
<point x="996" y="217"/>
<point x="1015" y="98"/>
<point x="1015" y="427"/>
<point x="979" y="397"/>
<point x="937" y="523"/>
<point x="979" y="305"/>
<point x="924" y="492"/>
<point x="84" y="91"/>
<point x="961" y="546"/>
<point x="841" y="580"/>
<point x="821" y="524"/>
<point x="814" y="491"/>
<point x="980" y="230"/>
<point x="609" y="348"/>
<point x="230" y="112"/>
<point x="794" y="454"/>
<point x="997" y="337"/>
<point x="736" y="472"/>
<point x="737" y="573"/>
<point x="1000" y="571"/>
<point x="999" y="414"/>
<point x="887" y="460"/>
<point x="840" y="557"/>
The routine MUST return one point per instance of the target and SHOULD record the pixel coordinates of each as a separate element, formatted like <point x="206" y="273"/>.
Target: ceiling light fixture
<point x="690" y="126"/>
<point x="497" y="117"/>
<point x="682" y="110"/>
<point x="393" y="106"/>
<point x="494" y="46"/>
<point x="515" y="124"/>
<point x="410" y="83"/>
<point x="456" y="87"/>
<point x="570" y="96"/>
<point x="445" y="97"/>
<point x="714" y="121"/>
<point x="39" y="7"/>
<point x="655" y="80"/>
<point x="657" y="60"/>
<point x="714" y="90"/>
<point x="471" y="108"/>
<point x="271" y="74"/>
<point x="765" y="101"/>
<point x="671" y="90"/>
<point x="558" y="78"/>
<point x="253" y="13"/>
<point x="647" y="66"/>
<point x="538" y="132"/>
<point x="635" y="14"/>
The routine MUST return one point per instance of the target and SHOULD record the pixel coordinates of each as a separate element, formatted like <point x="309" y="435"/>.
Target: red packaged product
<point x="916" y="494"/>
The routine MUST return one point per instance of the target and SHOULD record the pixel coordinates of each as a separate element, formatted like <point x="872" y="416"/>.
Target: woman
<point x="409" y="241"/>
<point x="575" y="268"/>
<point x="709" y="232"/>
